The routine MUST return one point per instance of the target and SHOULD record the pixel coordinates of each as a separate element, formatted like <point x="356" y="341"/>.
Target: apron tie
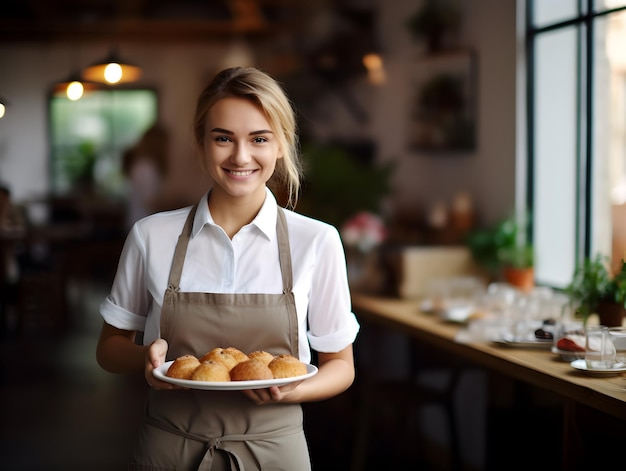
<point x="219" y="443"/>
<point x="213" y="445"/>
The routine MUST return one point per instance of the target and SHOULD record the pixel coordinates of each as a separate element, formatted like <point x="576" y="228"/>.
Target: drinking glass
<point x="599" y="349"/>
<point x="618" y="337"/>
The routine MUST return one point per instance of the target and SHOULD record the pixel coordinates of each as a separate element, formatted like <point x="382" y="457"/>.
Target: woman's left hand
<point x="271" y="395"/>
<point x="335" y="375"/>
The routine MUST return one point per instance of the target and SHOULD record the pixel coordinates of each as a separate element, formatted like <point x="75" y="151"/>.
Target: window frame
<point x="585" y="22"/>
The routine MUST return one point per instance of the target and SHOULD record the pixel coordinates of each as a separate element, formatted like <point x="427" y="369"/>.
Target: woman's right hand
<point x="155" y="357"/>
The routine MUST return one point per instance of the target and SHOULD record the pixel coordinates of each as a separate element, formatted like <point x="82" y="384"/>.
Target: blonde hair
<point x="262" y="90"/>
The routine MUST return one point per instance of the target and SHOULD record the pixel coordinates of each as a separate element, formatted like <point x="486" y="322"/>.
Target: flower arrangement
<point x="364" y="230"/>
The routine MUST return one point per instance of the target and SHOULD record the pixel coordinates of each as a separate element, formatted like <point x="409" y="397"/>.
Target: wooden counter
<point x="538" y="367"/>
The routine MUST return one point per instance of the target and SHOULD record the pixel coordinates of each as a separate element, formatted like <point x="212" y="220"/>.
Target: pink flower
<point x="364" y="230"/>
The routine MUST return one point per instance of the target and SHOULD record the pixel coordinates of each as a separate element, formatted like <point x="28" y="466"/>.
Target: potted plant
<point x="593" y="290"/>
<point x="504" y="253"/>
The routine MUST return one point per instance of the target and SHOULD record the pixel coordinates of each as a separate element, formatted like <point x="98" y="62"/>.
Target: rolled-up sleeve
<point x="120" y="317"/>
<point x="337" y="340"/>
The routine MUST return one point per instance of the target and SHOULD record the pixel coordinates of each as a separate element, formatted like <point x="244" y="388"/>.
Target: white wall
<point x="179" y="71"/>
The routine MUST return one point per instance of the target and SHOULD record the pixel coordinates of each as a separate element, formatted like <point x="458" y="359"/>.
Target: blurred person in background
<point x="12" y="229"/>
<point x="145" y="166"/>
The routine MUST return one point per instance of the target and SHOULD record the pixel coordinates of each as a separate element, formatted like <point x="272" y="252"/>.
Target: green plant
<point x="80" y="162"/>
<point x="592" y="283"/>
<point x="502" y="245"/>
<point x="337" y="185"/>
<point x="516" y="253"/>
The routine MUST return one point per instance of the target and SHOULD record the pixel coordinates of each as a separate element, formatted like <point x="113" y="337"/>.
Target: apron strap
<point x="181" y="250"/>
<point x="284" y="251"/>
<point x="284" y="255"/>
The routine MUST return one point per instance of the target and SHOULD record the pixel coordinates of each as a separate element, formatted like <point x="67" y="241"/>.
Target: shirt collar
<point x="265" y="220"/>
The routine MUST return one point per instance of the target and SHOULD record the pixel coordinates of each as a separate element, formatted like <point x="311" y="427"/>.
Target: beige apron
<point x="223" y="430"/>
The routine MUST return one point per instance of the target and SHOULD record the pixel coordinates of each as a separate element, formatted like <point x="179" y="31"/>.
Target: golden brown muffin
<point x="237" y="354"/>
<point x="211" y="370"/>
<point x="220" y="354"/>
<point x="250" y="370"/>
<point x="287" y="366"/>
<point x="183" y="367"/>
<point x="265" y="357"/>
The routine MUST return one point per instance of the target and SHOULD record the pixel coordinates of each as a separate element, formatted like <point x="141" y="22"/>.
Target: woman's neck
<point x="231" y="214"/>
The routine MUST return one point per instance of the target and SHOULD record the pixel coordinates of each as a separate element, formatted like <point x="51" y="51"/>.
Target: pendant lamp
<point x="112" y="71"/>
<point x="74" y="87"/>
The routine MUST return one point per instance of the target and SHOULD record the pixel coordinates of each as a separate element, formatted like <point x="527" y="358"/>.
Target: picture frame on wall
<point x="442" y="107"/>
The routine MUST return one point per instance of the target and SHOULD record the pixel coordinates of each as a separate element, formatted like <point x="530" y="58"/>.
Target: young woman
<point x="233" y="270"/>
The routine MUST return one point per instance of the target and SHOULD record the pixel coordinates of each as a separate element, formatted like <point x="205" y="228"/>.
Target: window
<point x="89" y="136"/>
<point x="577" y="133"/>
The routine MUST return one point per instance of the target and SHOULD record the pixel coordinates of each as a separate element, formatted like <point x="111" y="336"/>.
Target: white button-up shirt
<point x="246" y="264"/>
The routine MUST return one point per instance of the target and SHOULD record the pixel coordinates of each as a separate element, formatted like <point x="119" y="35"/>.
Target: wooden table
<point x="537" y="367"/>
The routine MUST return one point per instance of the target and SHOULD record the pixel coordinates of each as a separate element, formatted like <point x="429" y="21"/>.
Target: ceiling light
<point x="112" y="71"/>
<point x="74" y="87"/>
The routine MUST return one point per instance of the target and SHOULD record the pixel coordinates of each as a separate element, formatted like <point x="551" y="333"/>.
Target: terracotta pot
<point x="522" y="278"/>
<point x="610" y="313"/>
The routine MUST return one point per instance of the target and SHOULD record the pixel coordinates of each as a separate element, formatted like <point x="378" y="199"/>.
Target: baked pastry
<point x="287" y="366"/>
<point x="251" y="370"/>
<point x="265" y="357"/>
<point x="183" y="367"/>
<point x="221" y="355"/>
<point x="211" y="370"/>
<point x="237" y="354"/>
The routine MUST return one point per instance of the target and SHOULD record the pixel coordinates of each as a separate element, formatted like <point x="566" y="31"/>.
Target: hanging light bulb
<point x="75" y="90"/>
<point x="112" y="71"/>
<point x="3" y="109"/>
<point x="74" y="87"/>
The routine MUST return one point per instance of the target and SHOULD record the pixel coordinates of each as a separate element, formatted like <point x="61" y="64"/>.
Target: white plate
<point x="568" y="355"/>
<point x="457" y="314"/>
<point x="581" y="365"/>
<point x="511" y="341"/>
<point x="229" y="385"/>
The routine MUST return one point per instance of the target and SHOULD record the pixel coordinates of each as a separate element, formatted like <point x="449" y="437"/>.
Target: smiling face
<point x="240" y="149"/>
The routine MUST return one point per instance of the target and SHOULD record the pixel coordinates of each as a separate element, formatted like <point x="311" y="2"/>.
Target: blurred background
<point x="417" y="112"/>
